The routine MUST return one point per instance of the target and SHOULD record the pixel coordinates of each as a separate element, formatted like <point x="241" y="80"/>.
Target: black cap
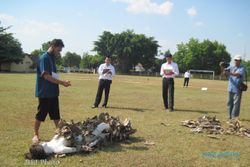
<point x="168" y="55"/>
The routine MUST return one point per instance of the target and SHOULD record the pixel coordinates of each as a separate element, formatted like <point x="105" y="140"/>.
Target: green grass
<point x="138" y="98"/>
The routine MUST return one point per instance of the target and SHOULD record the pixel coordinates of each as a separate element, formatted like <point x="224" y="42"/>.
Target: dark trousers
<point x="168" y="92"/>
<point x="186" y="80"/>
<point x="104" y="84"/>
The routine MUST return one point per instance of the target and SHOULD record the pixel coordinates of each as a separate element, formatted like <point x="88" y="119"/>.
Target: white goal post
<point x="202" y="71"/>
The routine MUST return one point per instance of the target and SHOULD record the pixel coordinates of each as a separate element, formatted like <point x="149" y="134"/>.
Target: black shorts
<point x="48" y="105"/>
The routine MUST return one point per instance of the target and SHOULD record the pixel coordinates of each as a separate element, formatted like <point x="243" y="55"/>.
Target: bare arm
<point x="56" y="81"/>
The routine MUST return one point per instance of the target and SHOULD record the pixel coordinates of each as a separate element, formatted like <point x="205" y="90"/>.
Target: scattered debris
<point x="149" y="143"/>
<point x="204" y="88"/>
<point x="164" y="124"/>
<point x="206" y="124"/>
<point x="236" y="128"/>
<point x="96" y="131"/>
<point x="60" y="155"/>
<point x="211" y="125"/>
<point x="213" y="136"/>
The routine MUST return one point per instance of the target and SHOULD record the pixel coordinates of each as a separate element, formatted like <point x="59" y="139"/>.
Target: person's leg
<point x="187" y="82"/>
<point x="56" y="122"/>
<point x="184" y="84"/>
<point x="236" y="107"/>
<point x="107" y="89"/>
<point x="165" y="92"/>
<point x="35" y="138"/>
<point x="99" y="93"/>
<point x="40" y="117"/>
<point x="54" y="111"/>
<point x="171" y="94"/>
<point x="230" y="104"/>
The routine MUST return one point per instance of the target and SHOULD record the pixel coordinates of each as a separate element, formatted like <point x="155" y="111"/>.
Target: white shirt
<point x="169" y="67"/>
<point x="186" y="75"/>
<point x="58" y="145"/>
<point x="106" y="75"/>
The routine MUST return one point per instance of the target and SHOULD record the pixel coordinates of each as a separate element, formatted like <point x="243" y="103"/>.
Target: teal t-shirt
<point x="44" y="88"/>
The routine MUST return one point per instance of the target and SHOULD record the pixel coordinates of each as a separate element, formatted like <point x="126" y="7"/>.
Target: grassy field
<point x="138" y="98"/>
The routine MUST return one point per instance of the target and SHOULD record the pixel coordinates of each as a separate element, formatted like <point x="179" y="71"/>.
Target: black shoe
<point x="171" y="110"/>
<point x="94" y="106"/>
<point x="104" y="105"/>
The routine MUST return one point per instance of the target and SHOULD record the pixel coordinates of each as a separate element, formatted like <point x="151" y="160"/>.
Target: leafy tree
<point x="205" y="55"/>
<point x="91" y="61"/>
<point x="106" y="44"/>
<point x="159" y="61"/>
<point x="10" y="48"/>
<point x="71" y="60"/>
<point x="36" y="53"/>
<point x="127" y="49"/>
<point x="247" y="66"/>
<point x="34" y="56"/>
<point x="157" y="64"/>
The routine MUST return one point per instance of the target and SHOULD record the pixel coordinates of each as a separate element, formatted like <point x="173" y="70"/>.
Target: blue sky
<point x="80" y="22"/>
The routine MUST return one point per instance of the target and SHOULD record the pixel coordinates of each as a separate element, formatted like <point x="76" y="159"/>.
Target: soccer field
<point x="134" y="97"/>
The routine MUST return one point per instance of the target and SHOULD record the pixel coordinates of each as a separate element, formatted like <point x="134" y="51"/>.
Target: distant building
<point x="23" y="66"/>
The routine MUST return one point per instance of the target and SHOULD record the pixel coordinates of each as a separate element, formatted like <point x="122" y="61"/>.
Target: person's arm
<point x="229" y="72"/>
<point x="236" y="74"/>
<point x="100" y="70"/>
<point x="162" y="70"/>
<point x="111" y="71"/>
<point x="56" y="81"/>
<point x="44" y="66"/>
<point x="176" y="70"/>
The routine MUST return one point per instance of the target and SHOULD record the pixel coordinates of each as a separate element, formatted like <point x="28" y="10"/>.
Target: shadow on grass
<point x="197" y="111"/>
<point x="117" y="146"/>
<point x="243" y="119"/>
<point x="130" y="108"/>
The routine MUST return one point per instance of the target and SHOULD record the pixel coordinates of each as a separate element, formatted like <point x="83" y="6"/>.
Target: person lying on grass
<point x="61" y="145"/>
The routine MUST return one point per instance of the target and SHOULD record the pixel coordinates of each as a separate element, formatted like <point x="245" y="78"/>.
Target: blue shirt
<point x="233" y="84"/>
<point x="44" y="88"/>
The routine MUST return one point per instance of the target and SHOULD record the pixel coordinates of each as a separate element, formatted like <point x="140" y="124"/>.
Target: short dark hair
<point x="36" y="152"/>
<point x="167" y="55"/>
<point x="56" y="43"/>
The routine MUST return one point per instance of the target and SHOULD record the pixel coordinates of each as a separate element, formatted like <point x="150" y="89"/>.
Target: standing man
<point x="236" y="75"/>
<point x="106" y="71"/>
<point x="186" y="78"/>
<point x="47" y="89"/>
<point x="168" y="71"/>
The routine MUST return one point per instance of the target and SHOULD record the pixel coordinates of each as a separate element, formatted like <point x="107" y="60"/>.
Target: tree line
<point x="127" y="49"/>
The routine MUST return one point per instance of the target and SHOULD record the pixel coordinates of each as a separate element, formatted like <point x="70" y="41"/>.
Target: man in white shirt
<point x="106" y="71"/>
<point x="168" y="71"/>
<point x="186" y="78"/>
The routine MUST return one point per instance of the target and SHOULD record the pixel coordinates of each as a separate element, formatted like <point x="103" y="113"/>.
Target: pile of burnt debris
<point x="212" y="125"/>
<point x="96" y="131"/>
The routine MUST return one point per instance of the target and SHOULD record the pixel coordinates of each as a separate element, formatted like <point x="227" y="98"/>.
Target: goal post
<point x="203" y="72"/>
